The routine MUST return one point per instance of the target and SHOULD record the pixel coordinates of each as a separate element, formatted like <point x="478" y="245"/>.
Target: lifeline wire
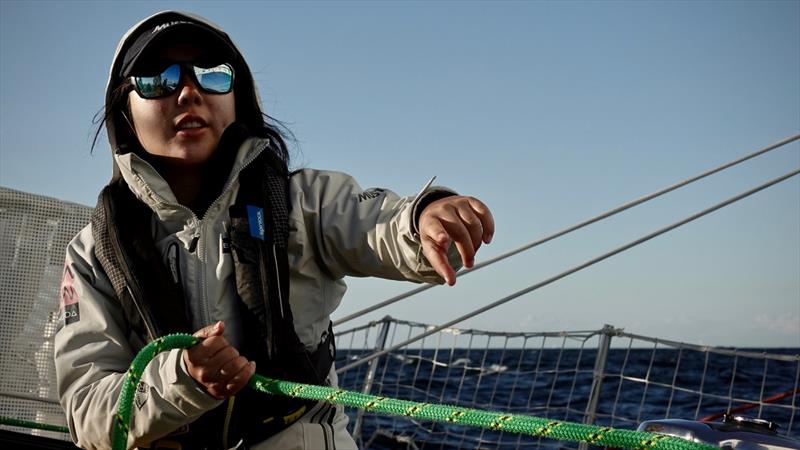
<point x="568" y="230"/>
<point x="513" y="423"/>
<point x="561" y="275"/>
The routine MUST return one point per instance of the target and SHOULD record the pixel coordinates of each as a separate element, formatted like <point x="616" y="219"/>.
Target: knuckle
<point x="237" y="364"/>
<point x="229" y="353"/>
<point x="203" y="374"/>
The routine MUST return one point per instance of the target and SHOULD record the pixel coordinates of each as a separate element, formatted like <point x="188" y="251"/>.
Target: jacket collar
<point x="153" y="190"/>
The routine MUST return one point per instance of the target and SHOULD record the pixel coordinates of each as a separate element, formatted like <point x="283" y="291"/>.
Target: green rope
<point x="513" y="423"/>
<point x="26" y="424"/>
<point x="493" y="420"/>
<point x="123" y="418"/>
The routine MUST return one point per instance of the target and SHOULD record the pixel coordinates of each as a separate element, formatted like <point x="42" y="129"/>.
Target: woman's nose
<point x="189" y="92"/>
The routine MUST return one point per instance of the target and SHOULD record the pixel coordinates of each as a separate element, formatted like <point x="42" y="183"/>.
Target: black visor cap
<point x="141" y="54"/>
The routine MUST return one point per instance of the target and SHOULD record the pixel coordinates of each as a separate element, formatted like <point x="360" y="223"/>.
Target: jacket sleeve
<point x="92" y="353"/>
<point x="365" y="232"/>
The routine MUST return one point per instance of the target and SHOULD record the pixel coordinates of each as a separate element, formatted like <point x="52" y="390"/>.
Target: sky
<point x="549" y="112"/>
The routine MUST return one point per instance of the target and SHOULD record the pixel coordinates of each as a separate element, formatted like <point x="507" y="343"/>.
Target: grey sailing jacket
<point x="336" y="230"/>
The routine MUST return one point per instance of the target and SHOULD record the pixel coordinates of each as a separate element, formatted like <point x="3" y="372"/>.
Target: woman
<point x="203" y="229"/>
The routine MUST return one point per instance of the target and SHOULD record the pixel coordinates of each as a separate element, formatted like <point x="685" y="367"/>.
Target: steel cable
<point x="605" y="215"/>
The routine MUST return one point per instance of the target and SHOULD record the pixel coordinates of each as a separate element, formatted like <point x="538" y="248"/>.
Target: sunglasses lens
<point x="217" y="79"/>
<point x="160" y="85"/>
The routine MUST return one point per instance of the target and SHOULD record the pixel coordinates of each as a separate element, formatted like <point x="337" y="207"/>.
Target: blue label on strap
<point x="255" y="216"/>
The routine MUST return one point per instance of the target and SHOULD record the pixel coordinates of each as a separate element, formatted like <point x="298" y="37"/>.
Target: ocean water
<point x="638" y="385"/>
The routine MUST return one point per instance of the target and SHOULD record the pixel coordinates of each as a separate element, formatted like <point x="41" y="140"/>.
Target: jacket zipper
<point x="204" y="306"/>
<point x="200" y="241"/>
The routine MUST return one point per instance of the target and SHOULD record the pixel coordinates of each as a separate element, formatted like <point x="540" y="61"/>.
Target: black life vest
<point x="154" y="303"/>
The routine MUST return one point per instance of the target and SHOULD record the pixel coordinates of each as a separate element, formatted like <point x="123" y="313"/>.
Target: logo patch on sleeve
<point x="369" y="194"/>
<point x="70" y="313"/>
<point x="142" y="394"/>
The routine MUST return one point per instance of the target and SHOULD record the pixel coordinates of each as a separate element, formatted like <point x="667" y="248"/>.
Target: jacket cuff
<point x="427" y="197"/>
<point x="188" y="395"/>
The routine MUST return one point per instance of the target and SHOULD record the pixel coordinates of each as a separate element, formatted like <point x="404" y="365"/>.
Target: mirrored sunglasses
<point x="213" y="80"/>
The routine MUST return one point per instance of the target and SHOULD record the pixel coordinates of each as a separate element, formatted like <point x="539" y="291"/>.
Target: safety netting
<point x="34" y="231"/>
<point x="605" y="377"/>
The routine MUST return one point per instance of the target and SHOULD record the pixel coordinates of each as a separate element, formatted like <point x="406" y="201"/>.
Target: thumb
<point x="212" y="330"/>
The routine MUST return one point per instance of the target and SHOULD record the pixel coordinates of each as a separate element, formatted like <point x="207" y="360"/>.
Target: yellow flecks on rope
<point x="498" y="422"/>
<point x="121" y="423"/>
<point x="159" y="344"/>
<point x="414" y="409"/>
<point x="647" y="443"/>
<point x="132" y="377"/>
<point x="374" y="403"/>
<point x="332" y="397"/>
<point x="594" y="437"/>
<point x="454" y="416"/>
<point x="296" y="391"/>
<point x="600" y="434"/>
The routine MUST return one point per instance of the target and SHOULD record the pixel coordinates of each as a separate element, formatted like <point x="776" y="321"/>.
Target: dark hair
<point x="248" y="112"/>
<point x="119" y="97"/>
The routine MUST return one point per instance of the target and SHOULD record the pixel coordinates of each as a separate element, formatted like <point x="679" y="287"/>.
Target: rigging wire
<point x="570" y="229"/>
<point x="575" y="269"/>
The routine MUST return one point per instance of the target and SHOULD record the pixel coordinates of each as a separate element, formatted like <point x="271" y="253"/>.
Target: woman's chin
<point x="185" y="157"/>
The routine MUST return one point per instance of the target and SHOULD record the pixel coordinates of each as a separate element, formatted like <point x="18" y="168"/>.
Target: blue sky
<point x="550" y="112"/>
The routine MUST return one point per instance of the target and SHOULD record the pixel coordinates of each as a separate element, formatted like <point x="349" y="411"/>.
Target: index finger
<point x="438" y="260"/>
<point x="485" y="216"/>
<point x="435" y="253"/>
<point x="207" y="348"/>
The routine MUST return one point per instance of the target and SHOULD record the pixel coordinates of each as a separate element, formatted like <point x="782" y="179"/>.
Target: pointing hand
<point x="464" y="221"/>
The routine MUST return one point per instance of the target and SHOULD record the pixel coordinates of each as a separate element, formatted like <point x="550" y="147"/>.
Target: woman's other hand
<point x="216" y="365"/>
<point x="464" y="221"/>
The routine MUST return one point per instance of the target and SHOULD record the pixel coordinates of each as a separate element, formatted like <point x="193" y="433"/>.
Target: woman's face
<point x="167" y="127"/>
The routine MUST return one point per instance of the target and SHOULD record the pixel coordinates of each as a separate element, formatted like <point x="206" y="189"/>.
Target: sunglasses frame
<point x="187" y="67"/>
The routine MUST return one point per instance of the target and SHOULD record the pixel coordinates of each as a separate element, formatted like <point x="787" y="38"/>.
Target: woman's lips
<point x="191" y="132"/>
<point x="189" y="126"/>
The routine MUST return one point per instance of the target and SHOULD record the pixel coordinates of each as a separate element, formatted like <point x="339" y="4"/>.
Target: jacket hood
<point x="117" y="126"/>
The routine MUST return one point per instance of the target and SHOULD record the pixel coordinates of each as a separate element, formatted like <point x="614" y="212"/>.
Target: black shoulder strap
<point x="259" y="236"/>
<point x="153" y="302"/>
